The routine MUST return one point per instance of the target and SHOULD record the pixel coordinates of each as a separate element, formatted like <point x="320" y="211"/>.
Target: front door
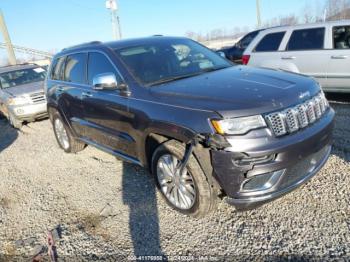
<point x="105" y="111"/>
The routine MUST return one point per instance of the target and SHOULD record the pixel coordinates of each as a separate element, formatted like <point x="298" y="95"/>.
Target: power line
<point x="28" y="50"/>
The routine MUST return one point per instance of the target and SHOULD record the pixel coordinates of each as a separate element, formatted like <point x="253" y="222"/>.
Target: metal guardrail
<point x="29" y="51"/>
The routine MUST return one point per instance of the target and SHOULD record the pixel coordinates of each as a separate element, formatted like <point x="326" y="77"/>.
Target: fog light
<point x="262" y="182"/>
<point x="20" y="111"/>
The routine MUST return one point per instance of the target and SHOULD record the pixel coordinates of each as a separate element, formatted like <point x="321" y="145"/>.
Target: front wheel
<point x="188" y="192"/>
<point x="64" y="137"/>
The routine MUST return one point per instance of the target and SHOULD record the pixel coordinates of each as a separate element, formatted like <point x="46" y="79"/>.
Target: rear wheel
<point x="188" y="192"/>
<point x="64" y="137"/>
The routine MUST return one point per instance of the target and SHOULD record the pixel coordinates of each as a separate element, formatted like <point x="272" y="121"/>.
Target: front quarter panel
<point x="148" y="115"/>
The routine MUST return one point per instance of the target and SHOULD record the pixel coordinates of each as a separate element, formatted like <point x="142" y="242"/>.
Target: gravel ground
<point x="107" y="210"/>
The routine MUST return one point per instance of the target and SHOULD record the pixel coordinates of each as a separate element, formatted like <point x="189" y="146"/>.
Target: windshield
<point x="170" y="60"/>
<point x="21" y="77"/>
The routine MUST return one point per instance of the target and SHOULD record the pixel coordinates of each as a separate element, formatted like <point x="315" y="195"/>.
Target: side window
<point x="341" y="37"/>
<point x="270" y="42"/>
<point x="247" y="39"/>
<point x="74" y="70"/>
<point x="98" y="64"/>
<point x="56" y="69"/>
<point x="306" y="39"/>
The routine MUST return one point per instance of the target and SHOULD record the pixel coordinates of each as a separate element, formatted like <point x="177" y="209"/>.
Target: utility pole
<point x="325" y="15"/>
<point x="116" y="30"/>
<point x="258" y="17"/>
<point x="7" y="40"/>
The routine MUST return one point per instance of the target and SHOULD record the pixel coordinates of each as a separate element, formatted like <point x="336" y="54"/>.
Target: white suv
<point x="320" y="50"/>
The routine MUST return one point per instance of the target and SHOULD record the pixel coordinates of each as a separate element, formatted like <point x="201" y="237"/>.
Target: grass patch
<point x="5" y="202"/>
<point x="91" y="223"/>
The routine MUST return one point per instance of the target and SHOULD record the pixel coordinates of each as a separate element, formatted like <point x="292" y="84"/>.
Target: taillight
<point x="245" y="59"/>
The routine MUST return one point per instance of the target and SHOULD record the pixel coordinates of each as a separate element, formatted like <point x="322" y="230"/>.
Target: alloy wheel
<point x="178" y="188"/>
<point x="61" y="133"/>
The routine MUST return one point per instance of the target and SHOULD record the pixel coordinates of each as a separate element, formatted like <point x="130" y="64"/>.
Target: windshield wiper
<point x="174" y="78"/>
<point x="170" y="79"/>
<point x="211" y="69"/>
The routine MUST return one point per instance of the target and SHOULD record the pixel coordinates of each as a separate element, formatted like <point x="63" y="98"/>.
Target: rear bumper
<point x="293" y="158"/>
<point x="30" y="112"/>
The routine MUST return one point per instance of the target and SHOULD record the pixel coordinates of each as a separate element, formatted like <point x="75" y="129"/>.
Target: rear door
<point x="105" y="111"/>
<point x="306" y="51"/>
<point x="339" y="55"/>
<point x="69" y="90"/>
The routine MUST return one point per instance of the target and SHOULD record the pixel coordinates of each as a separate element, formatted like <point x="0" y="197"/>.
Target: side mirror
<point x="222" y="54"/>
<point x="105" y="81"/>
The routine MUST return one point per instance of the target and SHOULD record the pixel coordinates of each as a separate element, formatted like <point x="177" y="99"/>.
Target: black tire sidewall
<point x="57" y="116"/>
<point x="202" y="186"/>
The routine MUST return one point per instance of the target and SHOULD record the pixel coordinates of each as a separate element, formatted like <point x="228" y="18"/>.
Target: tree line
<point x="330" y="10"/>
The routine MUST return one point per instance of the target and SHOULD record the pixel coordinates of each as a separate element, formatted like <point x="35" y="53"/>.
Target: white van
<point x="320" y="50"/>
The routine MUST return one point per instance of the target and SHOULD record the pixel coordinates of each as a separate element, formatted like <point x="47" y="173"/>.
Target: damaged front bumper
<point x="259" y="167"/>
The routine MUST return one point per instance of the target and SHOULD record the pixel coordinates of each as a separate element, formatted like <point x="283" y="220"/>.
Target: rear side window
<point x="270" y="42"/>
<point x="247" y="39"/>
<point x="306" y="39"/>
<point x="341" y="37"/>
<point x="74" y="70"/>
<point x="99" y="64"/>
<point x="56" y="70"/>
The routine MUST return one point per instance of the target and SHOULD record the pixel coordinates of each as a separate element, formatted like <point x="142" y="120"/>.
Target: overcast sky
<point x="53" y="25"/>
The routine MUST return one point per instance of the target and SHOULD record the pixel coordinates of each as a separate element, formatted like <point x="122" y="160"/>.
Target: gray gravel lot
<point x="108" y="210"/>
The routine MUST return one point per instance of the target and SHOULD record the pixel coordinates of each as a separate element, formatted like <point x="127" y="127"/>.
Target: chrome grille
<point x="292" y="119"/>
<point x="311" y="115"/>
<point x="277" y="123"/>
<point x="38" y="97"/>
<point x="300" y="116"/>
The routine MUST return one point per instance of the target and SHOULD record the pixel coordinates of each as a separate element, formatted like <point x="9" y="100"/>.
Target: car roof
<point x="120" y="44"/>
<point x="309" y="25"/>
<point x="11" y="68"/>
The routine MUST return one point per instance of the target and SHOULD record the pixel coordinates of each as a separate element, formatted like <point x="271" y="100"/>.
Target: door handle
<point x="60" y="89"/>
<point x="339" y="56"/>
<point x="86" y="94"/>
<point x="288" y="57"/>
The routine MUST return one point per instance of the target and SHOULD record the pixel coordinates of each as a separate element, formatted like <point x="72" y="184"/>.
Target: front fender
<point x="167" y="130"/>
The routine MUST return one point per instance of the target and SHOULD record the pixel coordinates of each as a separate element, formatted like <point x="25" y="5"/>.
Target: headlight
<point x="238" y="126"/>
<point x="18" y="100"/>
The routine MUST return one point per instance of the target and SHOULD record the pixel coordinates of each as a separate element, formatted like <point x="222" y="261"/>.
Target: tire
<point x="204" y="197"/>
<point x="69" y="144"/>
<point x="14" y="121"/>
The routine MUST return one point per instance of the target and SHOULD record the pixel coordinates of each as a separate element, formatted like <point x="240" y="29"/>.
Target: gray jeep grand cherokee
<point x="203" y="126"/>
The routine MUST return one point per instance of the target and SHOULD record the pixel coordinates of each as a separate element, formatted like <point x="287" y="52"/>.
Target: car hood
<point x="238" y="91"/>
<point x="25" y="89"/>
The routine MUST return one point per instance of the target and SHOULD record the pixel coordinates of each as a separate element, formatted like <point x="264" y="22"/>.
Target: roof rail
<point x="19" y="64"/>
<point x="83" y="44"/>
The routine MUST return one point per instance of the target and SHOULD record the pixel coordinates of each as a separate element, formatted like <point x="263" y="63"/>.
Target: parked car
<point x="22" y="96"/>
<point x="202" y="126"/>
<point x="235" y="52"/>
<point x="320" y="50"/>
